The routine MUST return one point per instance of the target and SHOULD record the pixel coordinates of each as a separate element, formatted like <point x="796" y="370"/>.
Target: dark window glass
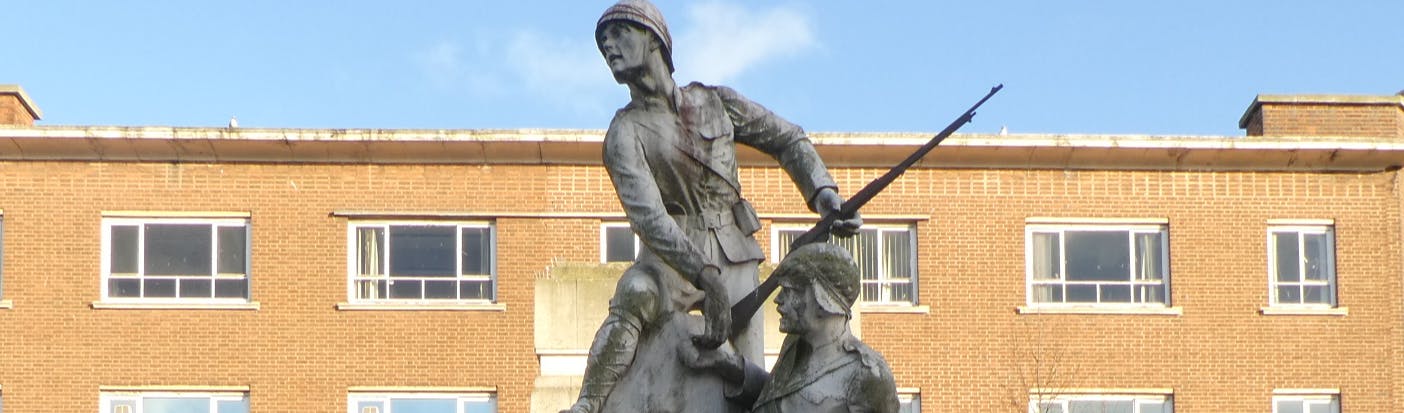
<point x="477" y="251"/>
<point x="128" y="287"/>
<point x="233" y="247"/>
<point x="159" y="287"/>
<point x="1098" y="256"/>
<point x="124" y="249"/>
<point x="196" y="288"/>
<point x="422" y="251"/>
<point x="232" y="288"/>
<point x="177" y="249"/>
<point x="1288" y="257"/>
<point x="619" y="244"/>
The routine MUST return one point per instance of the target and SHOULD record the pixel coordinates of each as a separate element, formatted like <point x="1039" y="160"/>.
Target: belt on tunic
<point x="707" y="219"/>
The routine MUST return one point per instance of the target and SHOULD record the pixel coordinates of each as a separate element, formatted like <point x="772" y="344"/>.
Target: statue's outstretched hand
<point x="716" y="311"/>
<point x="828" y="201"/>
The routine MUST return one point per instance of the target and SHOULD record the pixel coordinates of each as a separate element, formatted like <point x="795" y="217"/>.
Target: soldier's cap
<point x="830" y="271"/>
<point x="642" y="13"/>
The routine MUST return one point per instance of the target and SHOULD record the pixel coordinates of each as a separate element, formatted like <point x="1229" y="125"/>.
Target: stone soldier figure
<point x="672" y="158"/>
<point x="822" y="366"/>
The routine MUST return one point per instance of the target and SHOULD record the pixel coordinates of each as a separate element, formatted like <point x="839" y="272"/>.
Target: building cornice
<point x="24" y="99"/>
<point x="583" y="147"/>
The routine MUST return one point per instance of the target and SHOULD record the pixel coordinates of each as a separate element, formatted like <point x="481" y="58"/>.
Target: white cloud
<point x="566" y="73"/>
<point x="722" y="40"/>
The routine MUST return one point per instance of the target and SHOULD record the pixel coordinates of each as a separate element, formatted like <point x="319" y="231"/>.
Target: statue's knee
<point x="636" y="297"/>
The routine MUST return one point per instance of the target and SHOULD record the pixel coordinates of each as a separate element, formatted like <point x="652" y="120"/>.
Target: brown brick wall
<point x="1330" y="119"/>
<point x="13" y="111"/>
<point x="299" y="354"/>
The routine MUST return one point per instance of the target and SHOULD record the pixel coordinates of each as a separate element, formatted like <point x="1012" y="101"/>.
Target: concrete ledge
<point x="109" y="305"/>
<point x="6" y="304"/>
<point x="1306" y="392"/>
<point x="1170" y="311"/>
<point x="1309" y="311"/>
<point x="894" y="309"/>
<point x="1100" y="390"/>
<point x="422" y="307"/>
<point x="165" y="388"/>
<point x="421" y="389"/>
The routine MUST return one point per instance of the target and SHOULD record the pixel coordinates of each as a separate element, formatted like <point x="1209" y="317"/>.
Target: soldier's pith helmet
<point x="643" y="13"/>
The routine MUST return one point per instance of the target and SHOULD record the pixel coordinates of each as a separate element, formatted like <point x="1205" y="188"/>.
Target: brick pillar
<point x="15" y="107"/>
<point x="1325" y="115"/>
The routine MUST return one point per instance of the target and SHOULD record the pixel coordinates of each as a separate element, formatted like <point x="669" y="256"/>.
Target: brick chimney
<point x="15" y="107"/>
<point x="1325" y="115"/>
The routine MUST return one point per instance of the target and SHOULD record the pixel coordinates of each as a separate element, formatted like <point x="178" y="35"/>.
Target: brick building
<point x="154" y="269"/>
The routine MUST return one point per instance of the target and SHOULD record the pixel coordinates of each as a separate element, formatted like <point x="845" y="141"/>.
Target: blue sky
<point x="1185" y="67"/>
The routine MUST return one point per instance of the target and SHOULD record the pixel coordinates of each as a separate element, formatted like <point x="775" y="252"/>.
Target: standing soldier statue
<point x="671" y="153"/>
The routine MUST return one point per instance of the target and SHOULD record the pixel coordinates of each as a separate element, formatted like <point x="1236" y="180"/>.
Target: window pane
<point x="423" y="406"/>
<point x="1150" y="264"/>
<point x="129" y="287"/>
<point x="406" y="289"/>
<point x="422" y="251"/>
<point x="1317" y="257"/>
<point x="897" y="246"/>
<point x="123" y="406"/>
<point x="1155" y="407"/>
<point x="232" y="288"/>
<point x="619" y="244"/>
<point x="1288" y="258"/>
<point x="475" y="290"/>
<point x="1289" y="406"/>
<point x="1289" y="295"/>
<point x="477" y="251"/>
<point x="124" y="249"/>
<point x="1315" y="295"/>
<point x="784" y="239"/>
<point x="1101" y="406"/>
<point x="480" y="406"/>
<point x="1321" y="408"/>
<point x="1098" y="256"/>
<point x="1046" y="255"/>
<point x="1050" y="408"/>
<point x="901" y="292"/>
<point x="1150" y="294"/>
<point x="1082" y="293"/>
<point x="378" y="406"/>
<point x="175" y="405"/>
<point x="159" y="288"/>
<point x="177" y="249"/>
<point x="370" y="250"/>
<point x="196" y="288"/>
<point x="441" y="289"/>
<point x="233" y="406"/>
<point x="1048" y="293"/>
<point x="1116" y="293"/>
<point x="372" y="290"/>
<point x="233" y="244"/>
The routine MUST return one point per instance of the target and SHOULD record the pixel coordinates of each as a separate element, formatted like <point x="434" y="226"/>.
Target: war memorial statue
<point x="671" y="154"/>
<point x="672" y="158"/>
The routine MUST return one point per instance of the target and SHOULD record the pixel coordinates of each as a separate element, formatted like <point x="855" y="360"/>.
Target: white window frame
<point x="1037" y="401"/>
<point x="353" y="262"/>
<point x="1061" y="229"/>
<point x="1307" y="400"/>
<point x="140" y="223"/>
<point x="910" y="399"/>
<point x="138" y="398"/>
<point x="883" y="280"/>
<point x="1326" y="230"/>
<point x="385" y="398"/>
<point x="604" y="240"/>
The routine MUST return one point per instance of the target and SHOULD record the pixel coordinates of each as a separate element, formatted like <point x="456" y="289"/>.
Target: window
<point x="1113" y="265"/>
<point x="174" y="402"/>
<point x="178" y="260"/>
<point x="1102" y="404"/>
<point x="1319" y="403"/>
<point x="908" y="402"/>
<point x="422" y="403"/>
<point x="424" y="261"/>
<point x="885" y="254"/>
<point x="618" y="242"/>
<point x="1302" y="265"/>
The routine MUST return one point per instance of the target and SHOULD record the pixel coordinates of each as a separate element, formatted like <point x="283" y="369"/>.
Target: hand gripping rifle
<point x="743" y="310"/>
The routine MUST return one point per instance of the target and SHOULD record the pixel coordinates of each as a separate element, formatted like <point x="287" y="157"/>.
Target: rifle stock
<point x="742" y="311"/>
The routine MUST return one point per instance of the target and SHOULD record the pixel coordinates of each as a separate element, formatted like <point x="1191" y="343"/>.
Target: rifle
<point x="742" y="311"/>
